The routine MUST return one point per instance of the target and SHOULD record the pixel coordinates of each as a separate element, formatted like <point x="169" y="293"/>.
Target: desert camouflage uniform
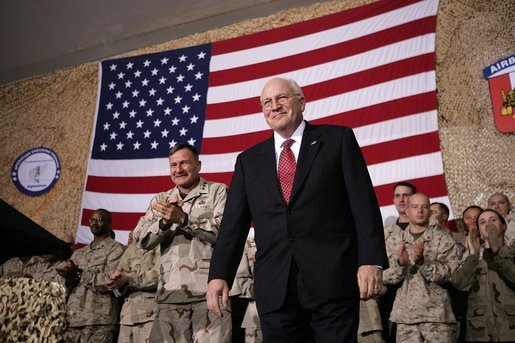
<point x="139" y="307"/>
<point x="390" y="230"/>
<point x="22" y="267"/>
<point x="12" y="267"/>
<point x="386" y="300"/>
<point x="421" y="299"/>
<point x="490" y="280"/>
<point x="48" y="271"/>
<point x="34" y="265"/>
<point x="92" y="308"/>
<point x="370" y="327"/>
<point x="243" y="286"/>
<point x="184" y="265"/>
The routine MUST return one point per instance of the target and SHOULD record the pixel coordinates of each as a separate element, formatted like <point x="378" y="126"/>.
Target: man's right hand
<point x="215" y="289"/>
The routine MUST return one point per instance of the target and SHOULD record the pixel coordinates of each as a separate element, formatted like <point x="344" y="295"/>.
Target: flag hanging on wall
<point x="371" y="68"/>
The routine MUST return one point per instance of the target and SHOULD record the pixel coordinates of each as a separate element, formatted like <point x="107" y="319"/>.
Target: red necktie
<point x="286" y="169"/>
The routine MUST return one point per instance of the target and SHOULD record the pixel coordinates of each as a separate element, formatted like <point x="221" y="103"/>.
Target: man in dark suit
<point x="318" y="229"/>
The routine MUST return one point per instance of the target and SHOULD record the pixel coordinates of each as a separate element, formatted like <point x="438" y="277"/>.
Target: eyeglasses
<point x="98" y="219"/>
<point x="280" y="99"/>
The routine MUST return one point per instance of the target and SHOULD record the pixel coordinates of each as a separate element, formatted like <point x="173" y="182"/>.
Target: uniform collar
<point x="201" y="188"/>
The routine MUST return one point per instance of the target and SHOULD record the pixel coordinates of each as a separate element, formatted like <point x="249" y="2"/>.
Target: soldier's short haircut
<point x="107" y="214"/>
<point x="501" y="194"/>
<point x="181" y="146"/>
<point x="470" y="208"/>
<point x="444" y="208"/>
<point x="406" y="184"/>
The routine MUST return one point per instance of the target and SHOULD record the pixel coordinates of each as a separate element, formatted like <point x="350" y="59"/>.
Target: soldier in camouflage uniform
<point x="136" y="278"/>
<point x="500" y="203"/>
<point x="488" y="273"/>
<point x="184" y="222"/>
<point x="401" y="193"/>
<point x="421" y="259"/>
<point x="92" y="308"/>
<point x="48" y="269"/>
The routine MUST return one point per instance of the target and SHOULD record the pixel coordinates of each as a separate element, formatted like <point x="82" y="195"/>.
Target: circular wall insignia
<point x="36" y="171"/>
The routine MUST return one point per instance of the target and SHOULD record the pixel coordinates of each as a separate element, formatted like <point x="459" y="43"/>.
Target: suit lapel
<point x="267" y="167"/>
<point x="311" y="143"/>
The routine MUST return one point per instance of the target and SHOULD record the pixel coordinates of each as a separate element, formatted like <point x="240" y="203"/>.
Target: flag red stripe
<point x="364" y="116"/>
<point x="433" y="186"/>
<point x="377" y="153"/>
<point x="401" y="148"/>
<point x="128" y="185"/>
<point x="307" y="27"/>
<point x="323" y="55"/>
<point x="387" y="72"/>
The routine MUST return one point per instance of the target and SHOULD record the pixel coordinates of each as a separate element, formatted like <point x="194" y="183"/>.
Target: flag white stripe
<point x="326" y="71"/>
<point x="129" y="168"/>
<point x="376" y="133"/>
<point x="132" y="203"/>
<point x="406" y="169"/>
<point x="324" y="38"/>
<point x="397" y="128"/>
<point x="364" y="97"/>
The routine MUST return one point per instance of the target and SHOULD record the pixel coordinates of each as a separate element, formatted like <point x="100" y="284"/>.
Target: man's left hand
<point x="370" y="282"/>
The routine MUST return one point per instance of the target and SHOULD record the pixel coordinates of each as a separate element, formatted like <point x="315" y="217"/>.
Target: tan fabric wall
<point x="56" y="110"/>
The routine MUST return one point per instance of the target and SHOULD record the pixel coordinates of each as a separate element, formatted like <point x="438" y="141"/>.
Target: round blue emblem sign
<point x="36" y="171"/>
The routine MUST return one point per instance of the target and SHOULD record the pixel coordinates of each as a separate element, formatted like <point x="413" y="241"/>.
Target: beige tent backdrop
<point x="56" y="110"/>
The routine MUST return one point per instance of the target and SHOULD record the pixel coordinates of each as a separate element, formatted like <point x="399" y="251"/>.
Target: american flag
<point x="371" y="68"/>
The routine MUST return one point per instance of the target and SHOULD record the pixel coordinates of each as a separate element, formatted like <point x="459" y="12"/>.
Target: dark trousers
<point x="305" y="317"/>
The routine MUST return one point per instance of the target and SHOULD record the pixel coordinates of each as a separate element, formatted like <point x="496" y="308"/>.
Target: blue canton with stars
<point x="149" y="103"/>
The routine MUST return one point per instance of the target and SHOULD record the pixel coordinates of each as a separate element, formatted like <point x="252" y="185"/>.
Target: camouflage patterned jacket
<point x="48" y="271"/>
<point x="185" y="252"/>
<point x="12" y="267"/>
<point x="244" y="285"/>
<point x="141" y="267"/>
<point x="390" y="230"/>
<point x="421" y="298"/>
<point x="90" y="302"/>
<point x="490" y="280"/>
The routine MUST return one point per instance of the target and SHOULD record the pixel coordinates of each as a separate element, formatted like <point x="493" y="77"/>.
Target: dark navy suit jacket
<point x="330" y="227"/>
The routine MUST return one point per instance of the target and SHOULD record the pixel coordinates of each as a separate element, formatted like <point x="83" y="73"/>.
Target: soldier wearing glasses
<point x="92" y="308"/>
